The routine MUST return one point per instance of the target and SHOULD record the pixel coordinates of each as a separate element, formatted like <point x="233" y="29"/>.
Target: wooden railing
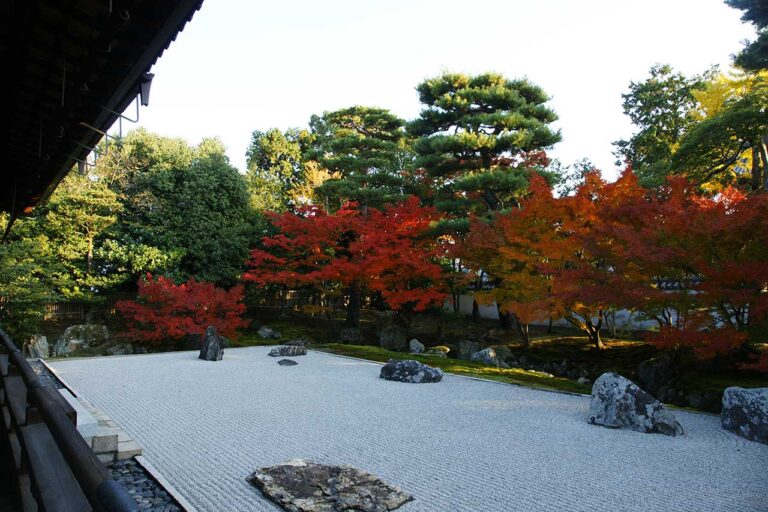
<point x="53" y="467"/>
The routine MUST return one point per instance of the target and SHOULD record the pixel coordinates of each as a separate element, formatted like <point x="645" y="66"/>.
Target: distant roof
<point x="68" y="66"/>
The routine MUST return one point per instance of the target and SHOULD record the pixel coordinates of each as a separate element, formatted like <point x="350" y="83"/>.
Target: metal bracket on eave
<point x="121" y="116"/>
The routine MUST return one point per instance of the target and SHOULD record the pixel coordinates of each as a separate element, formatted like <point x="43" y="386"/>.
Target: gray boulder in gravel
<point x="211" y="349"/>
<point x="745" y="412"/>
<point x="618" y="403"/>
<point x="488" y="356"/>
<point x="267" y="333"/>
<point x="288" y="351"/>
<point x="416" y="346"/>
<point x="410" y="371"/>
<point x="304" y="486"/>
<point x="393" y="337"/>
<point x="287" y="362"/>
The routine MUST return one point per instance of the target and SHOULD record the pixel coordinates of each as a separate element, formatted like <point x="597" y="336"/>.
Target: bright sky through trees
<point x="243" y="65"/>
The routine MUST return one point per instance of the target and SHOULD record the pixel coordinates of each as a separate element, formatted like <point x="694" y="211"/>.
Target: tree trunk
<point x="475" y="311"/>
<point x="505" y="318"/>
<point x="764" y="158"/>
<point x="597" y="339"/>
<point x="440" y="334"/>
<point x="549" y="326"/>
<point x="353" y="307"/>
<point x="757" y="179"/>
<point x="593" y="331"/>
<point x="522" y="330"/>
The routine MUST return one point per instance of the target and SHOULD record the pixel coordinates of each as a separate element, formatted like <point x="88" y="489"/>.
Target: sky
<point x="243" y="65"/>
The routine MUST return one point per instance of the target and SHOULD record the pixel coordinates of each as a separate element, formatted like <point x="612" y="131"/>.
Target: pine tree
<point x="474" y="134"/>
<point x="365" y="150"/>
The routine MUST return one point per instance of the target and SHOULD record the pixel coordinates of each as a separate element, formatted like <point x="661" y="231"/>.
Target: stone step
<point x="108" y="440"/>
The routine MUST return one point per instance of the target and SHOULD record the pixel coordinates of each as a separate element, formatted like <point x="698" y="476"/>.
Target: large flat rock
<point x="305" y="486"/>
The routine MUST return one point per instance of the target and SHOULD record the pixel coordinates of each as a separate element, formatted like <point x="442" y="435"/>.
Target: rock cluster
<point x="618" y="403"/>
<point x="120" y="349"/>
<point x="467" y="348"/>
<point x="288" y="351"/>
<point x="656" y="373"/>
<point x="212" y="347"/>
<point x="410" y="371"/>
<point x="563" y="368"/>
<point x="76" y="337"/>
<point x="393" y="337"/>
<point x="149" y="495"/>
<point x="267" y="333"/>
<point x="350" y="335"/>
<point x="304" y="486"/>
<point x="488" y="356"/>
<point x="745" y="412"/>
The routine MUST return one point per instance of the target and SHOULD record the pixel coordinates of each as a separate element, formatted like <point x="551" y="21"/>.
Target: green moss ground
<point x="466" y="368"/>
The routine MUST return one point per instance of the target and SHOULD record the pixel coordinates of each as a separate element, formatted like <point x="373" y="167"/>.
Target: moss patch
<point x="466" y="368"/>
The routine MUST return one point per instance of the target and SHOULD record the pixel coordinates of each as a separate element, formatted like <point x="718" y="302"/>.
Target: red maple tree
<point x="386" y="251"/>
<point x="696" y="264"/>
<point x="165" y="310"/>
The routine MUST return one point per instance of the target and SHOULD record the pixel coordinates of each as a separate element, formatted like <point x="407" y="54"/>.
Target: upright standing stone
<point x="211" y="349"/>
<point x="37" y="347"/>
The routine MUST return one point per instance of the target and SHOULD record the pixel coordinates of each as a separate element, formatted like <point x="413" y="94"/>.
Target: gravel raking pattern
<point x="461" y="445"/>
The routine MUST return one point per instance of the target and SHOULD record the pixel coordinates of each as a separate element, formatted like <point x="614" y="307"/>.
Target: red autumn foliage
<point x="697" y="265"/>
<point x="384" y="251"/>
<point x="536" y="259"/>
<point x="164" y="310"/>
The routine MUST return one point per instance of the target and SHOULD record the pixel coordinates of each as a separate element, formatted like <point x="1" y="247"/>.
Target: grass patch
<point x="466" y="368"/>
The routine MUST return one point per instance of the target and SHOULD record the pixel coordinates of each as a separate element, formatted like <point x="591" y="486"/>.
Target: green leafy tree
<point x="76" y="220"/>
<point x="364" y="148"/>
<point x="729" y="145"/>
<point x="754" y="56"/>
<point x="662" y="107"/>
<point x="187" y="202"/>
<point x="25" y="264"/>
<point x="276" y="170"/>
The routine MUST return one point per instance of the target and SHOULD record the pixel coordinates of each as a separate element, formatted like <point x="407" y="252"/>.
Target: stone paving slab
<point x="459" y="445"/>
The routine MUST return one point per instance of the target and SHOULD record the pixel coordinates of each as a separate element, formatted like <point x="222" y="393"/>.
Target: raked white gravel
<point x="459" y="445"/>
